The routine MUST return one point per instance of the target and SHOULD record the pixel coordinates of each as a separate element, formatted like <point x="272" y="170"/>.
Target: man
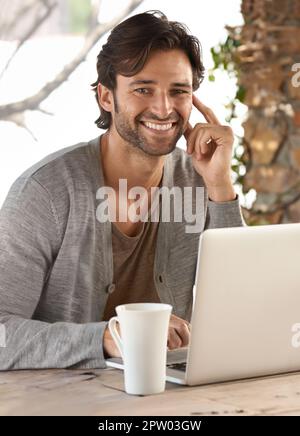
<point x="62" y="269"/>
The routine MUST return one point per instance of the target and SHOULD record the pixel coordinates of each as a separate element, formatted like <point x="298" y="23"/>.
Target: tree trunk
<point x="267" y="57"/>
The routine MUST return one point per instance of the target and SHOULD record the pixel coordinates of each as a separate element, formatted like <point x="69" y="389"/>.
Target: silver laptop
<point x="246" y="313"/>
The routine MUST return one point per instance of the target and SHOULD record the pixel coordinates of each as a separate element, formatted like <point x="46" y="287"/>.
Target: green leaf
<point x="240" y="94"/>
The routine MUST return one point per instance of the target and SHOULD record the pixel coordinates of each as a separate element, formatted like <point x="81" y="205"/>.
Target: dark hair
<point x="129" y="45"/>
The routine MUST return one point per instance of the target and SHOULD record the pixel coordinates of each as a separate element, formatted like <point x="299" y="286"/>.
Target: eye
<point x="142" y="90"/>
<point x="180" y="91"/>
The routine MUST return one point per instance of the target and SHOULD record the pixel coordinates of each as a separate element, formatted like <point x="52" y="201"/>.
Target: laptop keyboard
<point x="179" y="366"/>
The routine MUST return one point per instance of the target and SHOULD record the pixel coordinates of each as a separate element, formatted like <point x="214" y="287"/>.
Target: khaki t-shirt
<point x="133" y="260"/>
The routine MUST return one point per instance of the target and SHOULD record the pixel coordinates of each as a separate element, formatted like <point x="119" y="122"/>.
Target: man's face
<point x="152" y="108"/>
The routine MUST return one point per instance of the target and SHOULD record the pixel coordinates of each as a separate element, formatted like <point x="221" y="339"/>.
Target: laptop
<point x="246" y="310"/>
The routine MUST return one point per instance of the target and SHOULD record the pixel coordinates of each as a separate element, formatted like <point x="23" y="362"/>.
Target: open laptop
<point x="246" y="307"/>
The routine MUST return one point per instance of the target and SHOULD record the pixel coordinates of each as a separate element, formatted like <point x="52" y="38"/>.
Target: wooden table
<point x="101" y="392"/>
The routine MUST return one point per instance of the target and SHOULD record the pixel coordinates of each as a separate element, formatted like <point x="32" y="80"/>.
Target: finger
<point x="110" y="348"/>
<point x="184" y="333"/>
<point x="176" y="319"/>
<point x="201" y="146"/>
<point x="192" y="137"/>
<point x="198" y="132"/>
<point x="188" y="130"/>
<point x="208" y="113"/>
<point x="204" y="143"/>
<point x="181" y="328"/>
<point x="174" y="340"/>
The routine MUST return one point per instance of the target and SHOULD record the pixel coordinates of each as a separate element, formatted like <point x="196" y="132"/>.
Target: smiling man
<point x="151" y="108"/>
<point x="62" y="270"/>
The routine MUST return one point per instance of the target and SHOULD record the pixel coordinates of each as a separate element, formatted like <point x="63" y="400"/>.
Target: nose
<point x="162" y="105"/>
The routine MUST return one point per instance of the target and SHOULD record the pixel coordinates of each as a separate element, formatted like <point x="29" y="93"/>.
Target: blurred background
<point x="251" y="52"/>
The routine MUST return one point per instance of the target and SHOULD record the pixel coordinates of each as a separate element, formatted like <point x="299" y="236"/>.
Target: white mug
<point x="143" y="347"/>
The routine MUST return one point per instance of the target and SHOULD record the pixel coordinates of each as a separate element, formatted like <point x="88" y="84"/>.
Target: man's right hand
<point x="178" y="337"/>
<point x="109" y="346"/>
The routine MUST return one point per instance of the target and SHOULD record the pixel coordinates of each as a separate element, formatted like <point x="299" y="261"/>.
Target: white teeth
<point x="158" y="126"/>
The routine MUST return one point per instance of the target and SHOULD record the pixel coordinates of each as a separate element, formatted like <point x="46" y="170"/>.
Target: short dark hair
<point x="129" y="45"/>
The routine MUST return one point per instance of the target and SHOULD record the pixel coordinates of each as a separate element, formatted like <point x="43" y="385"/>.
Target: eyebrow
<point x="154" y="82"/>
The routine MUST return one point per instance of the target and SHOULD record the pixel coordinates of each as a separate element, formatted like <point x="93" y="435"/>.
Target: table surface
<point x="101" y="392"/>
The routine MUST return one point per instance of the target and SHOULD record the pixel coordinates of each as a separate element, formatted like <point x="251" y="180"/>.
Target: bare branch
<point x="33" y="102"/>
<point x="8" y="27"/>
<point x="35" y="25"/>
<point x="45" y="112"/>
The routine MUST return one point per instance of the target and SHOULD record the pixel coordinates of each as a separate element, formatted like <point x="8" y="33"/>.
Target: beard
<point x="138" y="137"/>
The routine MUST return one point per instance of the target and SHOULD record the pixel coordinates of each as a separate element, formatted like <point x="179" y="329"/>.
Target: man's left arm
<point x="224" y="214"/>
<point x="223" y="207"/>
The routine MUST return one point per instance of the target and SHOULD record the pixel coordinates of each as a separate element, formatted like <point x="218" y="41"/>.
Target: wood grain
<point x="101" y="393"/>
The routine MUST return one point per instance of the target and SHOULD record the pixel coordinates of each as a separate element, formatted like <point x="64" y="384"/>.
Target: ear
<point x="105" y="97"/>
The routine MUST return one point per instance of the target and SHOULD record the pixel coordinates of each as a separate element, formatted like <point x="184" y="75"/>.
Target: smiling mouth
<point x="160" y="128"/>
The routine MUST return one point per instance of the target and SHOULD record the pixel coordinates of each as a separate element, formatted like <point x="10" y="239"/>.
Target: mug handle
<point x="114" y="333"/>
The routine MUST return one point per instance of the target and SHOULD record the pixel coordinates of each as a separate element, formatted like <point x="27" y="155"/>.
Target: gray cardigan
<point x="56" y="266"/>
